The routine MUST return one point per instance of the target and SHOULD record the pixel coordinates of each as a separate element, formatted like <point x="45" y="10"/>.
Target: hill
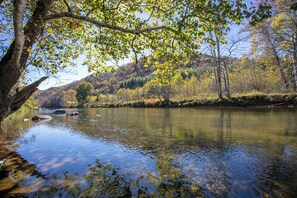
<point x="129" y="76"/>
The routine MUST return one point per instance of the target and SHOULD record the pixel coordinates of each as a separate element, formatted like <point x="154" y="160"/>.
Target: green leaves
<point x="83" y="91"/>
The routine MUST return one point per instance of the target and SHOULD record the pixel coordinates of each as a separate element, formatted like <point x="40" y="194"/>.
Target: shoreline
<point x="250" y="101"/>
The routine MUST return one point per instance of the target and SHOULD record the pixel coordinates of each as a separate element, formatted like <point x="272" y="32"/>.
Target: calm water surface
<point x="144" y="152"/>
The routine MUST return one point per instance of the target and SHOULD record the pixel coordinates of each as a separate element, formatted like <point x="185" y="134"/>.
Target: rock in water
<point x="60" y="111"/>
<point x="74" y="114"/>
<point x="41" y="117"/>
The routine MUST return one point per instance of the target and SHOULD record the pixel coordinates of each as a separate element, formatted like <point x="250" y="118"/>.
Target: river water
<point x="160" y="152"/>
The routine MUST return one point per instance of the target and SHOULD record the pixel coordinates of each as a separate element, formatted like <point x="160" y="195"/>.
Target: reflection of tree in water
<point x="275" y="176"/>
<point x="105" y="180"/>
<point x="13" y="128"/>
<point x="14" y="171"/>
<point x="173" y="181"/>
<point x="166" y="124"/>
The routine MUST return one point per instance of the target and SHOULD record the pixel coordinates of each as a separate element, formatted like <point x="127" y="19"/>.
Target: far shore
<point x="261" y="101"/>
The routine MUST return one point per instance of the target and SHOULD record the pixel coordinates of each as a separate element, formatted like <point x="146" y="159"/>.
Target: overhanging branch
<point x="20" y="97"/>
<point x="104" y="25"/>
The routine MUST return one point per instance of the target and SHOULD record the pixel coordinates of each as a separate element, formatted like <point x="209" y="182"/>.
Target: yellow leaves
<point x="243" y="60"/>
<point x="252" y="76"/>
<point x="28" y="49"/>
<point x="49" y="30"/>
<point x="281" y="21"/>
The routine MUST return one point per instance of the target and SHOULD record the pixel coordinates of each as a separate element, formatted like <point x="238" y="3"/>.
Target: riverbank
<point x="249" y="100"/>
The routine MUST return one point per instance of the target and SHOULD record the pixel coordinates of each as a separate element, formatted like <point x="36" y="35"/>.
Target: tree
<point x="83" y="91"/>
<point x="177" y="84"/>
<point x="51" y="34"/>
<point x="276" y="37"/>
<point x="222" y="53"/>
<point x="162" y="91"/>
<point x="284" y="24"/>
<point x="266" y="41"/>
<point x="70" y="98"/>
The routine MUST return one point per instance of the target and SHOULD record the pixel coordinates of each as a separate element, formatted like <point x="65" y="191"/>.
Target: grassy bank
<point x="242" y="100"/>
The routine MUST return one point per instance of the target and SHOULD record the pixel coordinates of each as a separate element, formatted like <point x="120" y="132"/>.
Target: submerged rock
<point x="41" y="117"/>
<point x="74" y="114"/>
<point x="60" y="111"/>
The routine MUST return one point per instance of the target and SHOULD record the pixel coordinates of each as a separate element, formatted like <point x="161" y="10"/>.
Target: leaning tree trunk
<point x="284" y="81"/>
<point x="13" y="63"/>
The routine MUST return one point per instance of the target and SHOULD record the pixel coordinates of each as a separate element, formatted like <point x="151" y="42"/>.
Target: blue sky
<point x="64" y="77"/>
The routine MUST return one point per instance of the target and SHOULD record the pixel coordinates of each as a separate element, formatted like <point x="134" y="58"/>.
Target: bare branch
<point x="18" y="17"/>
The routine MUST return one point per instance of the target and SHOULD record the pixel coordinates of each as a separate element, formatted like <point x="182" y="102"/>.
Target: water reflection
<point x="105" y="180"/>
<point x="228" y="152"/>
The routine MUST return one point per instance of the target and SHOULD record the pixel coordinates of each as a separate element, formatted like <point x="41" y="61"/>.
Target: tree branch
<point x="20" y="97"/>
<point x="68" y="6"/>
<point x="18" y="17"/>
<point x="104" y="25"/>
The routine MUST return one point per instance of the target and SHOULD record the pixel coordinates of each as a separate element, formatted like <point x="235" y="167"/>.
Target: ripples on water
<point x="178" y="152"/>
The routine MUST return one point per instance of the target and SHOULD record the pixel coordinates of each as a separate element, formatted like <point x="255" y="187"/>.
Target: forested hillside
<point x="127" y="77"/>
<point x="133" y="82"/>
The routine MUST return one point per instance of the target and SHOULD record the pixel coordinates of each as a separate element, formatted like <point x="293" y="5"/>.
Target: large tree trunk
<point x="13" y="63"/>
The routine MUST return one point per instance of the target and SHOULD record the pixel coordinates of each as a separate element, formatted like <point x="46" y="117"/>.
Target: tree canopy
<point x="52" y="34"/>
<point x="83" y="91"/>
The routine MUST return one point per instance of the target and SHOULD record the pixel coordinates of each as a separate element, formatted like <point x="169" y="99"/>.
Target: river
<point x="160" y="152"/>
